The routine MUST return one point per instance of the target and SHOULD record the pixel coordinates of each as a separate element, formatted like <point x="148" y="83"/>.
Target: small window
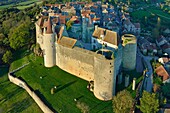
<point x="94" y="41"/>
<point x="110" y="71"/>
<point x="94" y="47"/>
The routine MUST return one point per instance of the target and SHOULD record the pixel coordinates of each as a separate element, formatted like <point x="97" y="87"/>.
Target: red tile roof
<point x="160" y="71"/>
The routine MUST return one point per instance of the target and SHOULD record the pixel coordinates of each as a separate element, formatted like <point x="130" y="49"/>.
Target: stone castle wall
<point x="22" y="84"/>
<point x="89" y="66"/>
<point x="76" y="61"/>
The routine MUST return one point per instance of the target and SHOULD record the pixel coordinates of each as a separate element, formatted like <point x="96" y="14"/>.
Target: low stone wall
<point x="22" y="84"/>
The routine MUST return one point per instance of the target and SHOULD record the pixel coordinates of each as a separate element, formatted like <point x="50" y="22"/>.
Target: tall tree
<point x="2" y="37"/>
<point x="149" y="103"/>
<point x="7" y="57"/>
<point x="165" y="89"/>
<point x="122" y="102"/>
<point x="19" y="36"/>
<point x="167" y="2"/>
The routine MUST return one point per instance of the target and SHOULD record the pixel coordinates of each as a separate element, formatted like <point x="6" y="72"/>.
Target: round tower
<point x="49" y="47"/>
<point x="104" y="75"/>
<point x="129" y="52"/>
<point x="84" y="29"/>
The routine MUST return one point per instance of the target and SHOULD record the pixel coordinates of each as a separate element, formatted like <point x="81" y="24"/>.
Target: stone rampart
<point x="22" y="84"/>
<point x="77" y="61"/>
<point x="89" y="66"/>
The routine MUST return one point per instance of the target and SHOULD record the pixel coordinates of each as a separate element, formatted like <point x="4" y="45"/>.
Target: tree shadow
<point x="96" y="106"/>
<point x="64" y="86"/>
<point x="3" y="71"/>
<point x="20" y="106"/>
<point x="11" y="94"/>
<point x="20" y="53"/>
<point x="78" y="98"/>
<point x="104" y="108"/>
<point x="39" y="94"/>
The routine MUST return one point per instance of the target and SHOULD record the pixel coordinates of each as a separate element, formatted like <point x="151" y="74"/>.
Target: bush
<point x="83" y="107"/>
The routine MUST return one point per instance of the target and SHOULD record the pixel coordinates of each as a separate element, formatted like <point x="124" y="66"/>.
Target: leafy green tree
<point x="69" y="24"/>
<point x="7" y="57"/>
<point x="19" y="36"/>
<point x="2" y="37"/>
<point x="8" y="24"/>
<point x="149" y="103"/>
<point x="115" y="1"/>
<point x="122" y="102"/>
<point x="155" y="33"/>
<point x="165" y="89"/>
<point x="167" y="2"/>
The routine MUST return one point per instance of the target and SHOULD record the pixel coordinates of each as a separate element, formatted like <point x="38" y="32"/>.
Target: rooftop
<point x="162" y="72"/>
<point x="67" y="42"/>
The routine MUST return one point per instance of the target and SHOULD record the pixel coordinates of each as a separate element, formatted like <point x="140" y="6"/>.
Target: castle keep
<point x="95" y="54"/>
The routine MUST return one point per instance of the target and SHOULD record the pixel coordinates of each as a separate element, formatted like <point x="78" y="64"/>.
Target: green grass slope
<point x="14" y="99"/>
<point x="68" y="86"/>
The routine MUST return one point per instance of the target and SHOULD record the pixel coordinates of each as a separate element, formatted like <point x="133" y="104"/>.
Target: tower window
<point x="94" y="47"/>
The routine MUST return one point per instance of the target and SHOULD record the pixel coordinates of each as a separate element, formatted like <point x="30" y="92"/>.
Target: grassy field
<point x="69" y="87"/>
<point x="14" y="99"/>
<point x="22" y="5"/>
<point x="140" y="14"/>
<point x="27" y="6"/>
<point x="149" y="11"/>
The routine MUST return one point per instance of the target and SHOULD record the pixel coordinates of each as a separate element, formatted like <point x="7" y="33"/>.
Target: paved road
<point x="148" y="79"/>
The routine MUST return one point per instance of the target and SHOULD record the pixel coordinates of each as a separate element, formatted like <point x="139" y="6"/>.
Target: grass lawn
<point x="140" y="14"/>
<point x="28" y="2"/>
<point x="14" y="99"/>
<point x="68" y="86"/>
<point x="27" y="6"/>
<point x="22" y="5"/>
<point x="6" y="6"/>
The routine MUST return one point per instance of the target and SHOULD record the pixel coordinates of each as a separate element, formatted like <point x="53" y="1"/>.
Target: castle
<point x="95" y="54"/>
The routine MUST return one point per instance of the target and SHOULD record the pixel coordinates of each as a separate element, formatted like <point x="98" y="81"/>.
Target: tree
<point x="149" y="103"/>
<point x="2" y="37"/>
<point x="7" y="57"/>
<point x="122" y="102"/>
<point x="155" y="33"/>
<point x="165" y="89"/>
<point x="8" y="24"/>
<point x="115" y="1"/>
<point x="167" y="2"/>
<point x="19" y="36"/>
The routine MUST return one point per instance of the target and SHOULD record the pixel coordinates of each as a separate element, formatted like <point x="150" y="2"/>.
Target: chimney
<point x="102" y="34"/>
<point x="96" y="27"/>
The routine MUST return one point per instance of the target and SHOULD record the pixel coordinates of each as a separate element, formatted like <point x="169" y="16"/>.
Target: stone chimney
<point x="96" y="27"/>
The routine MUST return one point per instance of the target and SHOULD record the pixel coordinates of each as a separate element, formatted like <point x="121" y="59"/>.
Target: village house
<point x="146" y="47"/>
